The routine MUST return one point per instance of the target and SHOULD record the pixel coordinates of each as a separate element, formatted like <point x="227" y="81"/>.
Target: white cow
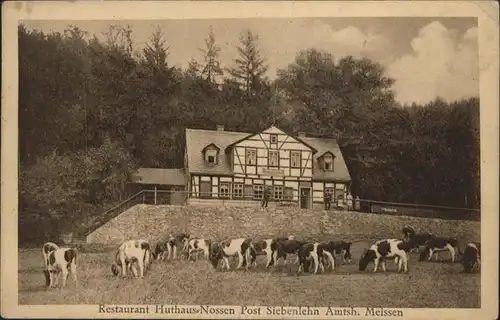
<point x="129" y="254"/>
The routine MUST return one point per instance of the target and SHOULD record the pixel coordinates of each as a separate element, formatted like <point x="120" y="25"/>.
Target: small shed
<point x="161" y="186"/>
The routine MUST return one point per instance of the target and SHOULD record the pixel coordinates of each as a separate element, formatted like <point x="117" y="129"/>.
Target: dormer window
<point x="211" y="153"/>
<point x="327" y="161"/>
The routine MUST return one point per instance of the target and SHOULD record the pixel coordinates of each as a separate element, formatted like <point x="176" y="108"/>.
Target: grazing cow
<point x="333" y="248"/>
<point x="472" y="257"/>
<point x="170" y="246"/>
<point x="197" y="245"/>
<point x="129" y="254"/>
<point x="419" y="239"/>
<point x="310" y="251"/>
<point x="62" y="261"/>
<point x="386" y="249"/>
<point x="437" y="244"/>
<point x="415" y="239"/>
<point x="174" y="241"/>
<point x="287" y="247"/>
<point x="160" y="249"/>
<point x="241" y="247"/>
<point x="269" y="247"/>
<point x="408" y="232"/>
<point x="46" y="249"/>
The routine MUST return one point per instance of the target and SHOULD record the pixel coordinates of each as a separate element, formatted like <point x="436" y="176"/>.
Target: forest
<point x="92" y="111"/>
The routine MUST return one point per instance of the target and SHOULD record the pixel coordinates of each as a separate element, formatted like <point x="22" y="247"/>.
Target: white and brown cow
<point x="311" y="251"/>
<point x="472" y="257"/>
<point x="62" y="261"/>
<point x="195" y="246"/>
<point x="130" y="253"/>
<point x="386" y="249"/>
<point x="46" y="249"/>
<point x="438" y="244"/>
<point x="243" y="248"/>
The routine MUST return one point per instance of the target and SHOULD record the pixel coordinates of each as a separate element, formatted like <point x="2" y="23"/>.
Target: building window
<point x="258" y="192"/>
<point x="278" y="192"/>
<point x="251" y="157"/>
<point x="238" y="190"/>
<point x="274" y="157"/>
<point x="288" y="194"/>
<point x="274" y="138"/>
<point x="328" y="162"/>
<point x="211" y="156"/>
<point x="295" y="159"/>
<point x="224" y="190"/>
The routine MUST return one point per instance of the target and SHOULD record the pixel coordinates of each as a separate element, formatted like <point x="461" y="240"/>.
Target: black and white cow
<point x="269" y="247"/>
<point x="195" y="246"/>
<point x="308" y="252"/>
<point x="333" y="248"/>
<point x="415" y="239"/>
<point x="62" y="261"/>
<point x="130" y="253"/>
<point x="160" y="250"/>
<point x="241" y="247"/>
<point x="472" y="257"/>
<point x="170" y="246"/>
<point x="408" y="232"/>
<point x="438" y="244"/>
<point x="285" y="247"/>
<point x="46" y="249"/>
<point x="419" y="239"/>
<point x="386" y="249"/>
<point x="175" y="241"/>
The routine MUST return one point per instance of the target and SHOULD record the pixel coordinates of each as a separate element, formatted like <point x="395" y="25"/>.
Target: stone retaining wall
<point x="156" y="222"/>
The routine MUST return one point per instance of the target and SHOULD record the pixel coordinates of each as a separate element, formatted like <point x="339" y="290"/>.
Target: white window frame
<point x="252" y="152"/>
<point x="238" y="190"/>
<point x="277" y="158"/>
<point x="211" y="153"/>
<point x="278" y="192"/>
<point x="298" y="155"/>
<point x="224" y="193"/>
<point x="258" y="191"/>
<point x="328" y="160"/>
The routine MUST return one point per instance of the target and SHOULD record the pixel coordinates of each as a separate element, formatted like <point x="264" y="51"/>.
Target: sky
<point x="427" y="57"/>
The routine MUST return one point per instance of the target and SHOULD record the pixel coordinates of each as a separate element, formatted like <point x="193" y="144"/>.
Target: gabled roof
<point x="324" y="145"/>
<point x="325" y="153"/>
<point x="210" y="145"/>
<point x="197" y="139"/>
<point x="172" y="177"/>
<point x="256" y="133"/>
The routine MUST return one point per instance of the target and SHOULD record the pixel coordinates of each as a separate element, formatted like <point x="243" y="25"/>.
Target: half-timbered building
<point x="238" y="166"/>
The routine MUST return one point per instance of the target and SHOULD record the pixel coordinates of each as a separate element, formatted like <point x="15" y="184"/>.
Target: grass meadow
<point x="427" y="284"/>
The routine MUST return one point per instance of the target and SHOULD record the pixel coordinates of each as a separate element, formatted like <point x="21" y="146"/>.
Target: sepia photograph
<point x="272" y="166"/>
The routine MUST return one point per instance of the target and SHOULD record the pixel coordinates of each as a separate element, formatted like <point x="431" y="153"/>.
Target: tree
<point x="212" y="68"/>
<point x="250" y="67"/>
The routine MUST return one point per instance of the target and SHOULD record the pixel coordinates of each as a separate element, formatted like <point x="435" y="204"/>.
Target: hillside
<point x="155" y="222"/>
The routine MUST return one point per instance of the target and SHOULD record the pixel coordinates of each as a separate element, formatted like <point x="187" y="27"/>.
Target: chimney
<point x="220" y="127"/>
<point x="302" y="134"/>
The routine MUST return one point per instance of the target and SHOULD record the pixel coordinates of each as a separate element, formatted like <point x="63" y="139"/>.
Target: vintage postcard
<point x="255" y="160"/>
